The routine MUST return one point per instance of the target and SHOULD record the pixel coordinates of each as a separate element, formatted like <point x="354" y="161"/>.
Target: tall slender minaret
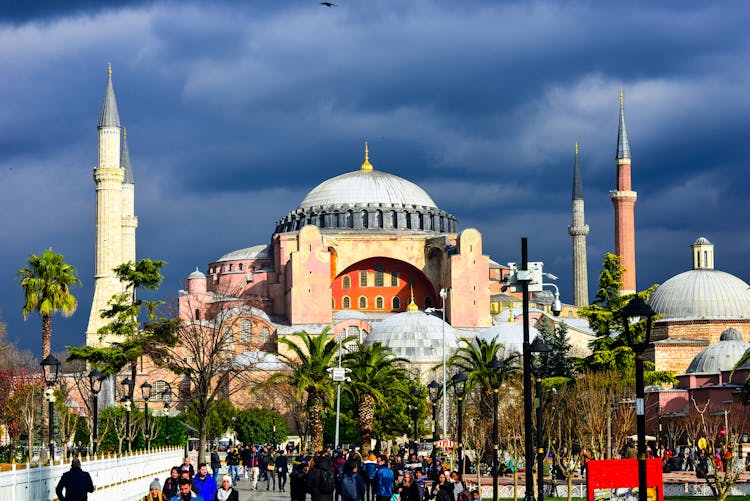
<point x="111" y="198"/>
<point x="129" y="220"/>
<point x="578" y="230"/>
<point x="624" y="199"/>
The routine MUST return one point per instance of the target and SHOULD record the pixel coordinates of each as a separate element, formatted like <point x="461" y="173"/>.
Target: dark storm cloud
<point x="235" y="110"/>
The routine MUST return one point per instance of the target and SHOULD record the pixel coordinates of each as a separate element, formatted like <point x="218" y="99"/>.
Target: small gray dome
<point x="731" y="334"/>
<point x="196" y="275"/>
<point x="720" y="356"/>
<point x="415" y="335"/>
<point x="702" y="241"/>
<point x="509" y="334"/>
<point x="255" y="252"/>
<point x="367" y="187"/>
<point x="702" y="294"/>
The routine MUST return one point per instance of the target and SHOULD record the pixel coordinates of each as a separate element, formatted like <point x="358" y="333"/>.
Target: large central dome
<point x="367" y="187"/>
<point x="369" y="201"/>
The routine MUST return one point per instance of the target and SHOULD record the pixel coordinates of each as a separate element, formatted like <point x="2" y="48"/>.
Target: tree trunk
<point x="365" y="414"/>
<point x="46" y="335"/>
<point x="316" y="421"/>
<point x="570" y="487"/>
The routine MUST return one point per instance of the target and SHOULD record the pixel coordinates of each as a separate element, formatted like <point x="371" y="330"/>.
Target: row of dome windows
<point x="362" y="303"/>
<point x="365" y="219"/>
<point x="378" y="279"/>
<point x="230" y="267"/>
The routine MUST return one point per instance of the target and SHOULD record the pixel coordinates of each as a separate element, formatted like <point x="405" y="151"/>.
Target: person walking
<point x="205" y="483"/>
<point x="298" y="482"/>
<point x="252" y="466"/>
<point x="408" y="489"/>
<point x="282" y="468"/>
<point x="75" y="484"/>
<point x="383" y="480"/>
<point x="187" y="466"/>
<point x="154" y="492"/>
<point x="233" y="465"/>
<point x="352" y="485"/>
<point x="321" y="480"/>
<point x="369" y="467"/>
<point x="227" y="492"/>
<point x="270" y="469"/>
<point x="171" y="484"/>
<point x="215" y="464"/>
<point x="185" y="492"/>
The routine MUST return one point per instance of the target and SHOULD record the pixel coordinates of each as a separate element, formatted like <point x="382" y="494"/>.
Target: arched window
<point x="379" y="275"/>
<point x="346" y="282"/>
<point x="396" y="302"/>
<point x="246" y="332"/>
<point x="197" y="314"/>
<point x="379" y="219"/>
<point x="333" y="303"/>
<point x="363" y="278"/>
<point x="379" y="302"/>
<point x="263" y="335"/>
<point x="346" y="303"/>
<point x="394" y="278"/>
<point x="349" y="219"/>
<point x="353" y="331"/>
<point x="394" y="219"/>
<point x="362" y="302"/>
<point x="705" y="258"/>
<point x="157" y="390"/>
<point x="365" y="219"/>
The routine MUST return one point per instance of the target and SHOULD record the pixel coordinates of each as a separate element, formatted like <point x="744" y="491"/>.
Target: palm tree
<point x="374" y="374"/>
<point x="474" y="358"/>
<point x="46" y="283"/>
<point x="309" y="360"/>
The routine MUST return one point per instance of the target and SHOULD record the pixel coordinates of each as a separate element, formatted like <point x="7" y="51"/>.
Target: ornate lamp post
<point x="434" y="390"/>
<point x="127" y="404"/>
<point x="167" y="397"/>
<point x="636" y="309"/>
<point x="496" y="380"/>
<point x="459" y="387"/>
<point x="51" y="368"/>
<point x="146" y="394"/>
<point x="95" y="383"/>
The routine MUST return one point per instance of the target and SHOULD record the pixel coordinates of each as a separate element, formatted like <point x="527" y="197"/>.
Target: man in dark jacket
<point x="298" y="482"/>
<point x="215" y="463"/>
<point x="321" y="480"/>
<point x="75" y="482"/>
<point x="282" y="468"/>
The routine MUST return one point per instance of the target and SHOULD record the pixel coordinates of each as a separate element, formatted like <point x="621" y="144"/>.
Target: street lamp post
<point x="459" y="386"/>
<point x="95" y="383"/>
<point x="51" y="368"/>
<point x="338" y="374"/>
<point x="443" y="295"/>
<point x="637" y="308"/>
<point x="146" y="394"/>
<point x="167" y="397"/>
<point x="434" y="390"/>
<point x="497" y="367"/>
<point x="127" y="404"/>
<point x="539" y="442"/>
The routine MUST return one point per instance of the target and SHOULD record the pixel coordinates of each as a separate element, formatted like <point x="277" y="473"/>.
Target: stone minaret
<point x="703" y="254"/>
<point x="578" y="230"/>
<point x="129" y="220"/>
<point x="112" y="197"/>
<point x="624" y="199"/>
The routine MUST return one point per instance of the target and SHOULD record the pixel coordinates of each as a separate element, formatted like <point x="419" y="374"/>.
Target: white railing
<point x="116" y="478"/>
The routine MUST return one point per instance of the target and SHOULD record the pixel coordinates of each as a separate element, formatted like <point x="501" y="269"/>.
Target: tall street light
<point x="95" y="383"/>
<point x="127" y="404"/>
<point x="637" y="309"/>
<point x="146" y="394"/>
<point x="443" y="295"/>
<point x="496" y="378"/>
<point x="167" y="397"/>
<point x="51" y="368"/>
<point x="459" y="387"/>
<point x="338" y="374"/>
<point x="434" y="390"/>
<point x="539" y="346"/>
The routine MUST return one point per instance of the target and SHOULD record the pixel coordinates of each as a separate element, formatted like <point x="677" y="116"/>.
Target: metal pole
<point x="529" y="460"/>
<point x="434" y="421"/>
<point x="148" y="440"/>
<point x="338" y="399"/>
<point x="127" y="427"/>
<point x="539" y="442"/>
<point x="443" y="294"/>
<point x="460" y="437"/>
<point x="495" y="445"/>
<point x="51" y="431"/>
<point x="166" y="426"/>
<point x="94" y="446"/>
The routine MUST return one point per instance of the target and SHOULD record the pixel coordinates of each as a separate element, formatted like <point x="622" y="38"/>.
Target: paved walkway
<point x="246" y="492"/>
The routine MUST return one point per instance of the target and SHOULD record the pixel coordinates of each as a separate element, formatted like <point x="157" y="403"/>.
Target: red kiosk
<point x="617" y="480"/>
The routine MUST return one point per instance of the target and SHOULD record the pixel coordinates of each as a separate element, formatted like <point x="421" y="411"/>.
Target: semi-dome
<point x="368" y="200"/>
<point x="255" y="252"/>
<point x="720" y="356"/>
<point x="702" y="294"/>
<point x="415" y="335"/>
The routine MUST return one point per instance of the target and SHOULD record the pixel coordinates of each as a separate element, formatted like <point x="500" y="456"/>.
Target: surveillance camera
<point x="556" y="307"/>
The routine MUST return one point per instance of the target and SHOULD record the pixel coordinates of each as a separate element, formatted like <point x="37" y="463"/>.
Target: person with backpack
<point x="352" y="485"/>
<point x="298" y="482"/>
<point x="321" y="480"/>
<point x="383" y="480"/>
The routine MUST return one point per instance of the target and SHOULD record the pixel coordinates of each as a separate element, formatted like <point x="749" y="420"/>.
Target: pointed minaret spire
<point x="579" y="230"/>
<point x="366" y="165"/>
<point x="624" y="198"/>
<point x="623" y="147"/>
<point x="109" y="117"/>
<point x="125" y="159"/>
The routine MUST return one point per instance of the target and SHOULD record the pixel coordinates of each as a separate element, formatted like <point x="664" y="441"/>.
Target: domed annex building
<point x="356" y="252"/>
<point x="695" y="308"/>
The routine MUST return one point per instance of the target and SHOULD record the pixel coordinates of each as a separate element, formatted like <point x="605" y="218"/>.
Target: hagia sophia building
<point x="365" y="253"/>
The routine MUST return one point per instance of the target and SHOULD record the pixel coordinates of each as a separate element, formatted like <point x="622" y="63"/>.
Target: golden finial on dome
<point x="412" y="305"/>
<point x="109" y="70"/>
<point x="366" y="165"/>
